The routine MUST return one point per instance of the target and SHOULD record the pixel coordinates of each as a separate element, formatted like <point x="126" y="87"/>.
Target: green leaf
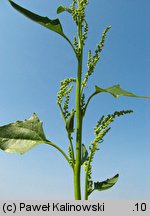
<point x="107" y="184"/>
<point x="53" y="25"/>
<point x="61" y="9"/>
<point x="84" y="154"/>
<point x="70" y="122"/>
<point x="117" y="91"/>
<point x="21" y="136"/>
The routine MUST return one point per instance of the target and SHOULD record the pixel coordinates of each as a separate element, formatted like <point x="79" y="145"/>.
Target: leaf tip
<point x="12" y="3"/>
<point x="59" y="10"/>
<point x="117" y="175"/>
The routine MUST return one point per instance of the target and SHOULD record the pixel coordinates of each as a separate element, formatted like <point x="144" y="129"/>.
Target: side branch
<point x="71" y="45"/>
<point x="72" y="149"/>
<point x="59" y="149"/>
<point x="88" y="101"/>
<point x="62" y="113"/>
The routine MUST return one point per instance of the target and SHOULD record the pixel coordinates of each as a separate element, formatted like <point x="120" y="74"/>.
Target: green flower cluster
<point x="100" y="130"/>
<point x="64" y="93"/>
<point x="70" y="156"/>
<point x="83" y="103"/>
<point x="101" y="127"/>
<point x="93" y="59"/>
<point x="78" y="13"/>
<point x="64" y="90"/>
<point x="85" y="31"/>
<point x="88" y="171"/>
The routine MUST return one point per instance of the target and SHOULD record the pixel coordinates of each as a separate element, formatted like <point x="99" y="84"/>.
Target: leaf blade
<point x="21" y="136"/>
<point x="107" y="184"/>
<point x="53" y="25"/>
<point x="62" y="9"/>
<point x="116" y="91"/>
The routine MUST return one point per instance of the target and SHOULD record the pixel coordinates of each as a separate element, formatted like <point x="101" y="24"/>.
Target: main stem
<point x="77" y="168"/>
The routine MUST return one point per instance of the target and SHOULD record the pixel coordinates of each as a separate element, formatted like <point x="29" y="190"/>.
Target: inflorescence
<point x="93" y="59"/>
<point x="63" y="95"/>
<point x="100" y="130"/>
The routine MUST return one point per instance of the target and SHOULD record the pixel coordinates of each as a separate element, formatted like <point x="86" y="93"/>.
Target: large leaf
<point x="21" y="136"/>
<point x="107" y="184"/>
<point x="117" y="91"/>
<point x="53" y="25"/>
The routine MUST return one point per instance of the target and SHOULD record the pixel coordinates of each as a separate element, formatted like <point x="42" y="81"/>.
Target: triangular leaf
<point x="84" y="154"/>
<point x="53" y="25"/>
<point x="117" y="91"/>
<point x="61" y="9"/>
<point x="107" y="184"/>
<point x="21" y="136"/>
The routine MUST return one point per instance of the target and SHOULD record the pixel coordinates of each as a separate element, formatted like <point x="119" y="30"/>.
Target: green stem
<point x="86" y="187"/>
<point x="71" y="45"/>
<point x="77" y="168"/>
<point x="69" y="135"/>
<point x="72" y="149"/>
<point x="59" y="149"/>
<point x="88" y="101"/>
<point x="62" y="113"/>
<point x="86" y="195"/>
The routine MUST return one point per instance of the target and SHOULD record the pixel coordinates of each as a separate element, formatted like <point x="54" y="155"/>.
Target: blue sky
<point x="33" y="60"/>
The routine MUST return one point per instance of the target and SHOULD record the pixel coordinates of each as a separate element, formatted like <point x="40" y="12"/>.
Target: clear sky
<point x="33" y="60"/>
